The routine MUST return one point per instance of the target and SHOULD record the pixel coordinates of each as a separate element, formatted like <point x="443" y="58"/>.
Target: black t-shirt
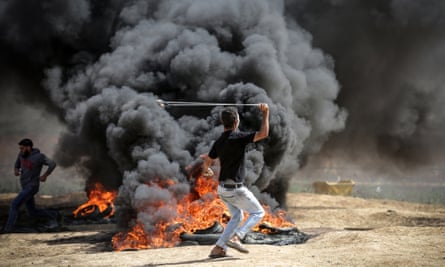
<point x="230" y="148"/>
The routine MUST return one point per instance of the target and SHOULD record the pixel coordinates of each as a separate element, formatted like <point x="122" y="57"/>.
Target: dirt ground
<point x="347" y="231"/>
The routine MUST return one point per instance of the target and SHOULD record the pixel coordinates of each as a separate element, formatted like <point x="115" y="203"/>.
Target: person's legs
<point x="249" y="203"/>
<point x="51" y="215"/>
<point x="238" y="200"/>
<point x="33" y="211"/>
<point x="24" y="195"/>
<point x="236" y="216"/>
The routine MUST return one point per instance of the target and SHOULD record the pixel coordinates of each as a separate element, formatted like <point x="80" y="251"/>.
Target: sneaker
<point x="235" y="243"/>
<point x="51" y="224"/>
<point x="217" y="252"/>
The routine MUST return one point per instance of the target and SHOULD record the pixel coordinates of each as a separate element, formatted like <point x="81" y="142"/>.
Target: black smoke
<point x="102" y="66"/>
<point x="388" y="59"/>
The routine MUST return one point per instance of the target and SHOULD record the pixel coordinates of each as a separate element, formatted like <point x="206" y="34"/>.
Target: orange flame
<point x="276" y="218"/>
<point x="98" y="197"/>
<point x="199" y="209"/>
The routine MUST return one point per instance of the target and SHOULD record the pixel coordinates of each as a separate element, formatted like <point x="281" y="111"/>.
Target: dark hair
<point x="228" y="117"/>
<point x="26" y="142"/>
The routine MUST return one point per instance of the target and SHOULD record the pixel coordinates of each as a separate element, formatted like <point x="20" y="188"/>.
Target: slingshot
<point x="164" y="104"/>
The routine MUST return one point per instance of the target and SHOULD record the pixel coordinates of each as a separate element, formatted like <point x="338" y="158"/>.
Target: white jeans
<point x="239" y="200"/>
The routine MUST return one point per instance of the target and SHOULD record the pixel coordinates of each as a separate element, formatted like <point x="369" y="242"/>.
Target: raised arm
<point x="264" y="130"/>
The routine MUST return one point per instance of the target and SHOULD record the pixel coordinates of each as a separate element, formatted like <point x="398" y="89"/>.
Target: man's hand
<point x="207" y="161"/>
<point x="43" y="178"/>
<point x="264" y="107"/>
<point x="16" y="172"/>
<point x="208" y="173"/>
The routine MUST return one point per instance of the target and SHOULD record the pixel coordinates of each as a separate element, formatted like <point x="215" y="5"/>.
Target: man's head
<point x="25" y="146"/>
<point x="230" y="118"/>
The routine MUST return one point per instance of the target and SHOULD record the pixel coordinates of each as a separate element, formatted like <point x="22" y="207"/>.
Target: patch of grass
<point x="410" y="192"/>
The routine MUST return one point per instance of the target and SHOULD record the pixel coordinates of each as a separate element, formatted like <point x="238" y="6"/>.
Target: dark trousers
<point x="26" y="196"/>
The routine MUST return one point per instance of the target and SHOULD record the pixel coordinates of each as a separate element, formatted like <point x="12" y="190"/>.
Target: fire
<point x="277" y="218"/>
<point x="200" y="209"/>
<point x="98" y="198"/>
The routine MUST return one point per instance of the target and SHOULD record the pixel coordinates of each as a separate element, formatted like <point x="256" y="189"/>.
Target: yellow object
<point x="341" y="188"/>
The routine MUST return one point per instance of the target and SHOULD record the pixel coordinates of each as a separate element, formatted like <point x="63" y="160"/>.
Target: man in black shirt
<point x="230" y="148"/>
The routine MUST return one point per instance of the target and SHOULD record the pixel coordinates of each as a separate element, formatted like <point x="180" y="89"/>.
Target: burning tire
<point x="92" y="212"/>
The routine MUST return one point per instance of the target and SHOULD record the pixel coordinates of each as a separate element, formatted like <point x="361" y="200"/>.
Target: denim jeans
<point x="26" y="196"/>
<point x="238" y="200"/>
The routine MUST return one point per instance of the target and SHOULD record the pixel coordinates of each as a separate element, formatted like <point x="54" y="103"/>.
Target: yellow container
<point x="341" y="188"/>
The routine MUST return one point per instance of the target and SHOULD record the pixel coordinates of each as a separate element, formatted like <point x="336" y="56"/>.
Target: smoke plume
<point x="388" y="59"/>
<point x="104" y="65"/>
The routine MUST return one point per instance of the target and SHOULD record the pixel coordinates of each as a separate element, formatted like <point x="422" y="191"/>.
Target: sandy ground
<point x="347" y="231"/>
